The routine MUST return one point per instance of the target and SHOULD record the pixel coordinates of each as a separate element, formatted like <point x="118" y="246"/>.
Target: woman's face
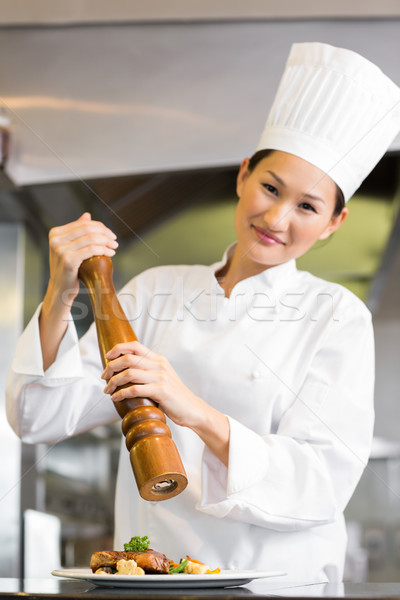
<point x="285" y="205"/>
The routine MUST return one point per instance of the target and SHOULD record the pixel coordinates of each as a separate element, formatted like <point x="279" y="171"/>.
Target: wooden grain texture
<point x="154" y="457"/>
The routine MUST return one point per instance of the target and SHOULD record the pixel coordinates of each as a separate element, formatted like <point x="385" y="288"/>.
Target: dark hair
<point x="261" y="154"/>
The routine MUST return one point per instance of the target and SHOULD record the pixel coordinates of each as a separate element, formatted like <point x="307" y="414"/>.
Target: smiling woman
<point x="285" y="205"/>
<point x="265" y="372"/>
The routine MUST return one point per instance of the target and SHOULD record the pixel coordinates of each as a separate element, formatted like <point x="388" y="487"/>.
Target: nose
<point x="277" y="216"/>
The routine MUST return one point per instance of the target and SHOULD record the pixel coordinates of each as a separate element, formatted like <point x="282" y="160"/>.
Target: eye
<point x="307" y="206"/>
<point x="270" y="188"/>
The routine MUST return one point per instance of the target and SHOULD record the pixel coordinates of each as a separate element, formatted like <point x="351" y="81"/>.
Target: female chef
<point x="265" y="372"/>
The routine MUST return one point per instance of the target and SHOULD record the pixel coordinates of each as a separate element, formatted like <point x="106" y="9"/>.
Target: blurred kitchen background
<point x="141" y="113"/>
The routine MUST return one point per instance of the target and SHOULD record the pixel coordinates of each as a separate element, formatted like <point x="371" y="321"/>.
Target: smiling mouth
<point x="267" y="236"/>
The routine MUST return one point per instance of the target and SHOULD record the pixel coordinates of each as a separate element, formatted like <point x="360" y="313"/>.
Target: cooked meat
<point x="149" y="560"/>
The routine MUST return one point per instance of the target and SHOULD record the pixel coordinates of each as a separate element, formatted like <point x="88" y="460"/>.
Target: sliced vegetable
<point x="215" y="572"/>
<point x="193" y="560"/>
<point x="137" y="544"/>
<point x="208" y="571"/>
<point x="179" y="568"/>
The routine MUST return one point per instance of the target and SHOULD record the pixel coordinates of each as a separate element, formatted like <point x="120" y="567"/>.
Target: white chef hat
<point x="336" y="110"/>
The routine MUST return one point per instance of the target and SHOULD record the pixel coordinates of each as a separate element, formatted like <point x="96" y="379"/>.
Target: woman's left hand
<point x="150" y="375"/>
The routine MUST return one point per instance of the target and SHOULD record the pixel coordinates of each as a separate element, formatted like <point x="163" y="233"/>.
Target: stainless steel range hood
<point x="93" y="102"/>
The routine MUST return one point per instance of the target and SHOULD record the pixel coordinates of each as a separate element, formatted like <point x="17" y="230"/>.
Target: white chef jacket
<point x="287" y="357"/>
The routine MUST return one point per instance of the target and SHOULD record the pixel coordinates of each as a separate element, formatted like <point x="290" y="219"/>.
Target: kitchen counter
<point x="62" y="589"/>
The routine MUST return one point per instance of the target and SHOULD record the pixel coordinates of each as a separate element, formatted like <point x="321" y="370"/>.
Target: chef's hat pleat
<point x="336" y="110"/>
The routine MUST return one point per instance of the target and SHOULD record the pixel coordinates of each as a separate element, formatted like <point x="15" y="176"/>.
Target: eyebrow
<point x="282" y="183"/>
<point x="275" y="176"/>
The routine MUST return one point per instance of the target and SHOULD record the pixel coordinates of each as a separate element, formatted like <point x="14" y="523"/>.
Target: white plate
<point x="223" y="579"/>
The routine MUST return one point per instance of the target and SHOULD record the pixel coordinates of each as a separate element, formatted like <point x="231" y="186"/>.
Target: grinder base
<point x="158" y="468"/>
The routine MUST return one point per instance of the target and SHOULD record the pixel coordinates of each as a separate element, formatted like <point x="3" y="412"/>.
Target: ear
<point x="335" y="223"/>
<point x="242" y="176"/>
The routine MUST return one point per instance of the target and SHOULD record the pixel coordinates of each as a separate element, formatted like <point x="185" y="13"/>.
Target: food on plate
<point x="123" y="567"/>
<point x="139" y="559"/>
<point x="190" y="566"/>
<point x="128" y="567"/>
<point x="195" y="567"/>
<point x="137" y="544"/>
<point x="148" y="560"/>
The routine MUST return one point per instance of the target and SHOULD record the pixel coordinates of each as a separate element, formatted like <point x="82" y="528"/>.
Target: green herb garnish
<point x="179" y="569"/>
<point x="137" y="544"/>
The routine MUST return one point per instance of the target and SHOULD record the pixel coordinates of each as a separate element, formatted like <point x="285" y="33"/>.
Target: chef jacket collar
<point x="273" y="278"/>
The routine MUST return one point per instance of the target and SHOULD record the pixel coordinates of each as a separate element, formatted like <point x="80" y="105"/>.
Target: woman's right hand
<point x="69" y="246"/>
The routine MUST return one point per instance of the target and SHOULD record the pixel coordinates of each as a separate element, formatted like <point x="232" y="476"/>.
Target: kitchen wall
<point x="12" y="252"/>
<point x="98" y="11"/>
<point x="376" y="504"/>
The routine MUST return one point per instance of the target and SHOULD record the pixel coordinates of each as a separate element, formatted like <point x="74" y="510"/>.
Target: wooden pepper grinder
<point x="154" y="457"/>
